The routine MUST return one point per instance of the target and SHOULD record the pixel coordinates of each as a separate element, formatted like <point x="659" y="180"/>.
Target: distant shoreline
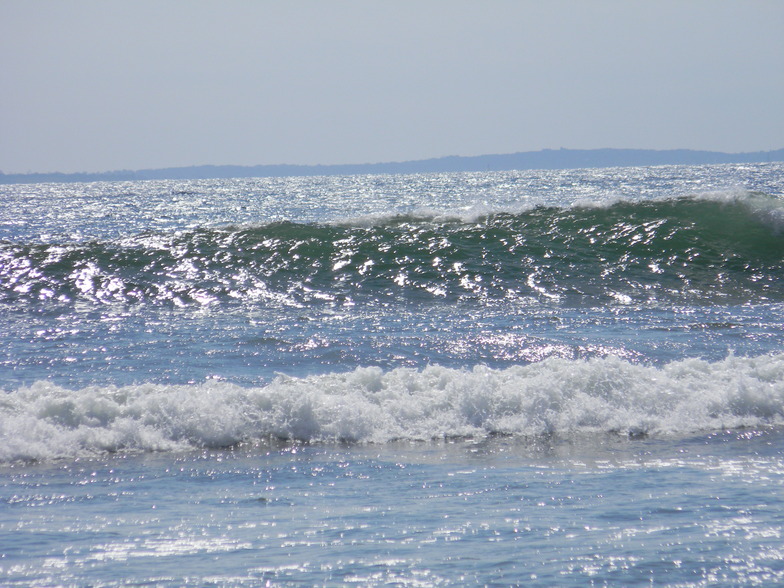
<point x="544" y="159"/>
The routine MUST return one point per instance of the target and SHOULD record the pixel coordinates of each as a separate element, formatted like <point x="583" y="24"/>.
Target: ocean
<point x="569" y="377"/>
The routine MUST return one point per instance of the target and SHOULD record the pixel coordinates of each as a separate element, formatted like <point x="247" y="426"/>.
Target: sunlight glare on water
<point x="568" y="377"/>
<point x="503" y="511"/>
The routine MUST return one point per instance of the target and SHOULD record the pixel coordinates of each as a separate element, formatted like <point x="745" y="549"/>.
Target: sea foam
<point x="369" y="405"/>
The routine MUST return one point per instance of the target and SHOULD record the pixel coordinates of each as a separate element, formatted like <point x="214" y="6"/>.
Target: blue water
<point x="541" y="377"/>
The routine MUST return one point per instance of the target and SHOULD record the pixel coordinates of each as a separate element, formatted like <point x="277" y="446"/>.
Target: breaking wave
<point x="368" y="405"/>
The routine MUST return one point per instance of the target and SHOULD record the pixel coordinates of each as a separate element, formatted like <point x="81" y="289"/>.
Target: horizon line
<point x="466" y="159"/>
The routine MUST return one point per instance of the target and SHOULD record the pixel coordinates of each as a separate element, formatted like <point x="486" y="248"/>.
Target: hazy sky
<point x="104" y="85"/>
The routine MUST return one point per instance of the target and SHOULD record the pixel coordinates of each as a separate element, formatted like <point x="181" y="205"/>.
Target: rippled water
<point x="698" y="511"/>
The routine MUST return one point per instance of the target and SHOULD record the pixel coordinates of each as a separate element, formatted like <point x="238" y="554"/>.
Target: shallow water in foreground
<point x="693" y="511"/>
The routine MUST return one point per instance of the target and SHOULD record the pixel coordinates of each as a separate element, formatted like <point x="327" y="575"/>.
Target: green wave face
<point x="685" y="250"/>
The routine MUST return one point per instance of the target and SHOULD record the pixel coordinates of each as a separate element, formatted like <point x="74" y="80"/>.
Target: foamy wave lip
<point x="561" y="397"/>
<point x="769" y="209"/>
<point x="729" y="196"/>
<point x="418" y="215"/>
<point x="465" y="214"/>
<point x="765" y="207"/>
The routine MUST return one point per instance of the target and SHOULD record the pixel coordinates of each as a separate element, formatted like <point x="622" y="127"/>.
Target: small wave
<point x="368" y="405"/>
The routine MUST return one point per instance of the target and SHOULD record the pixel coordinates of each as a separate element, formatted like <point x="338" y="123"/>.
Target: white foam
<point x="556" y="396"/>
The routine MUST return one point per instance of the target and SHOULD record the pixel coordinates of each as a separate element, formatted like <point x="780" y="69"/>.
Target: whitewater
<point x="539" y="377"/>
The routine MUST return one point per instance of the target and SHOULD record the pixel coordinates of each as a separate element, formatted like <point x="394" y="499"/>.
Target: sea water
<point x="503" y="378"/>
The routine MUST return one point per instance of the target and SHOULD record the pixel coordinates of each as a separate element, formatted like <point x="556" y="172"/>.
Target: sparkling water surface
<point x="690" y="512"/>
<point x="542" y="378"/>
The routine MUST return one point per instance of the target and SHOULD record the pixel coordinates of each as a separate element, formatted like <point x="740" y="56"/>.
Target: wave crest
<point x="716" y="247"/>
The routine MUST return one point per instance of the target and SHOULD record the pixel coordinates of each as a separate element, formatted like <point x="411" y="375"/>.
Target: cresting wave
<point x="559" y="397"/>
<point x="722" y="247"/>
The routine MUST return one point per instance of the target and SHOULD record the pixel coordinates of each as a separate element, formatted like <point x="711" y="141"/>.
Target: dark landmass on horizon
<point x="544" y="159"/>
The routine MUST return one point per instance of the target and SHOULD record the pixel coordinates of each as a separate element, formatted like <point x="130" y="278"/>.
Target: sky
<point x="102" y="85"/>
